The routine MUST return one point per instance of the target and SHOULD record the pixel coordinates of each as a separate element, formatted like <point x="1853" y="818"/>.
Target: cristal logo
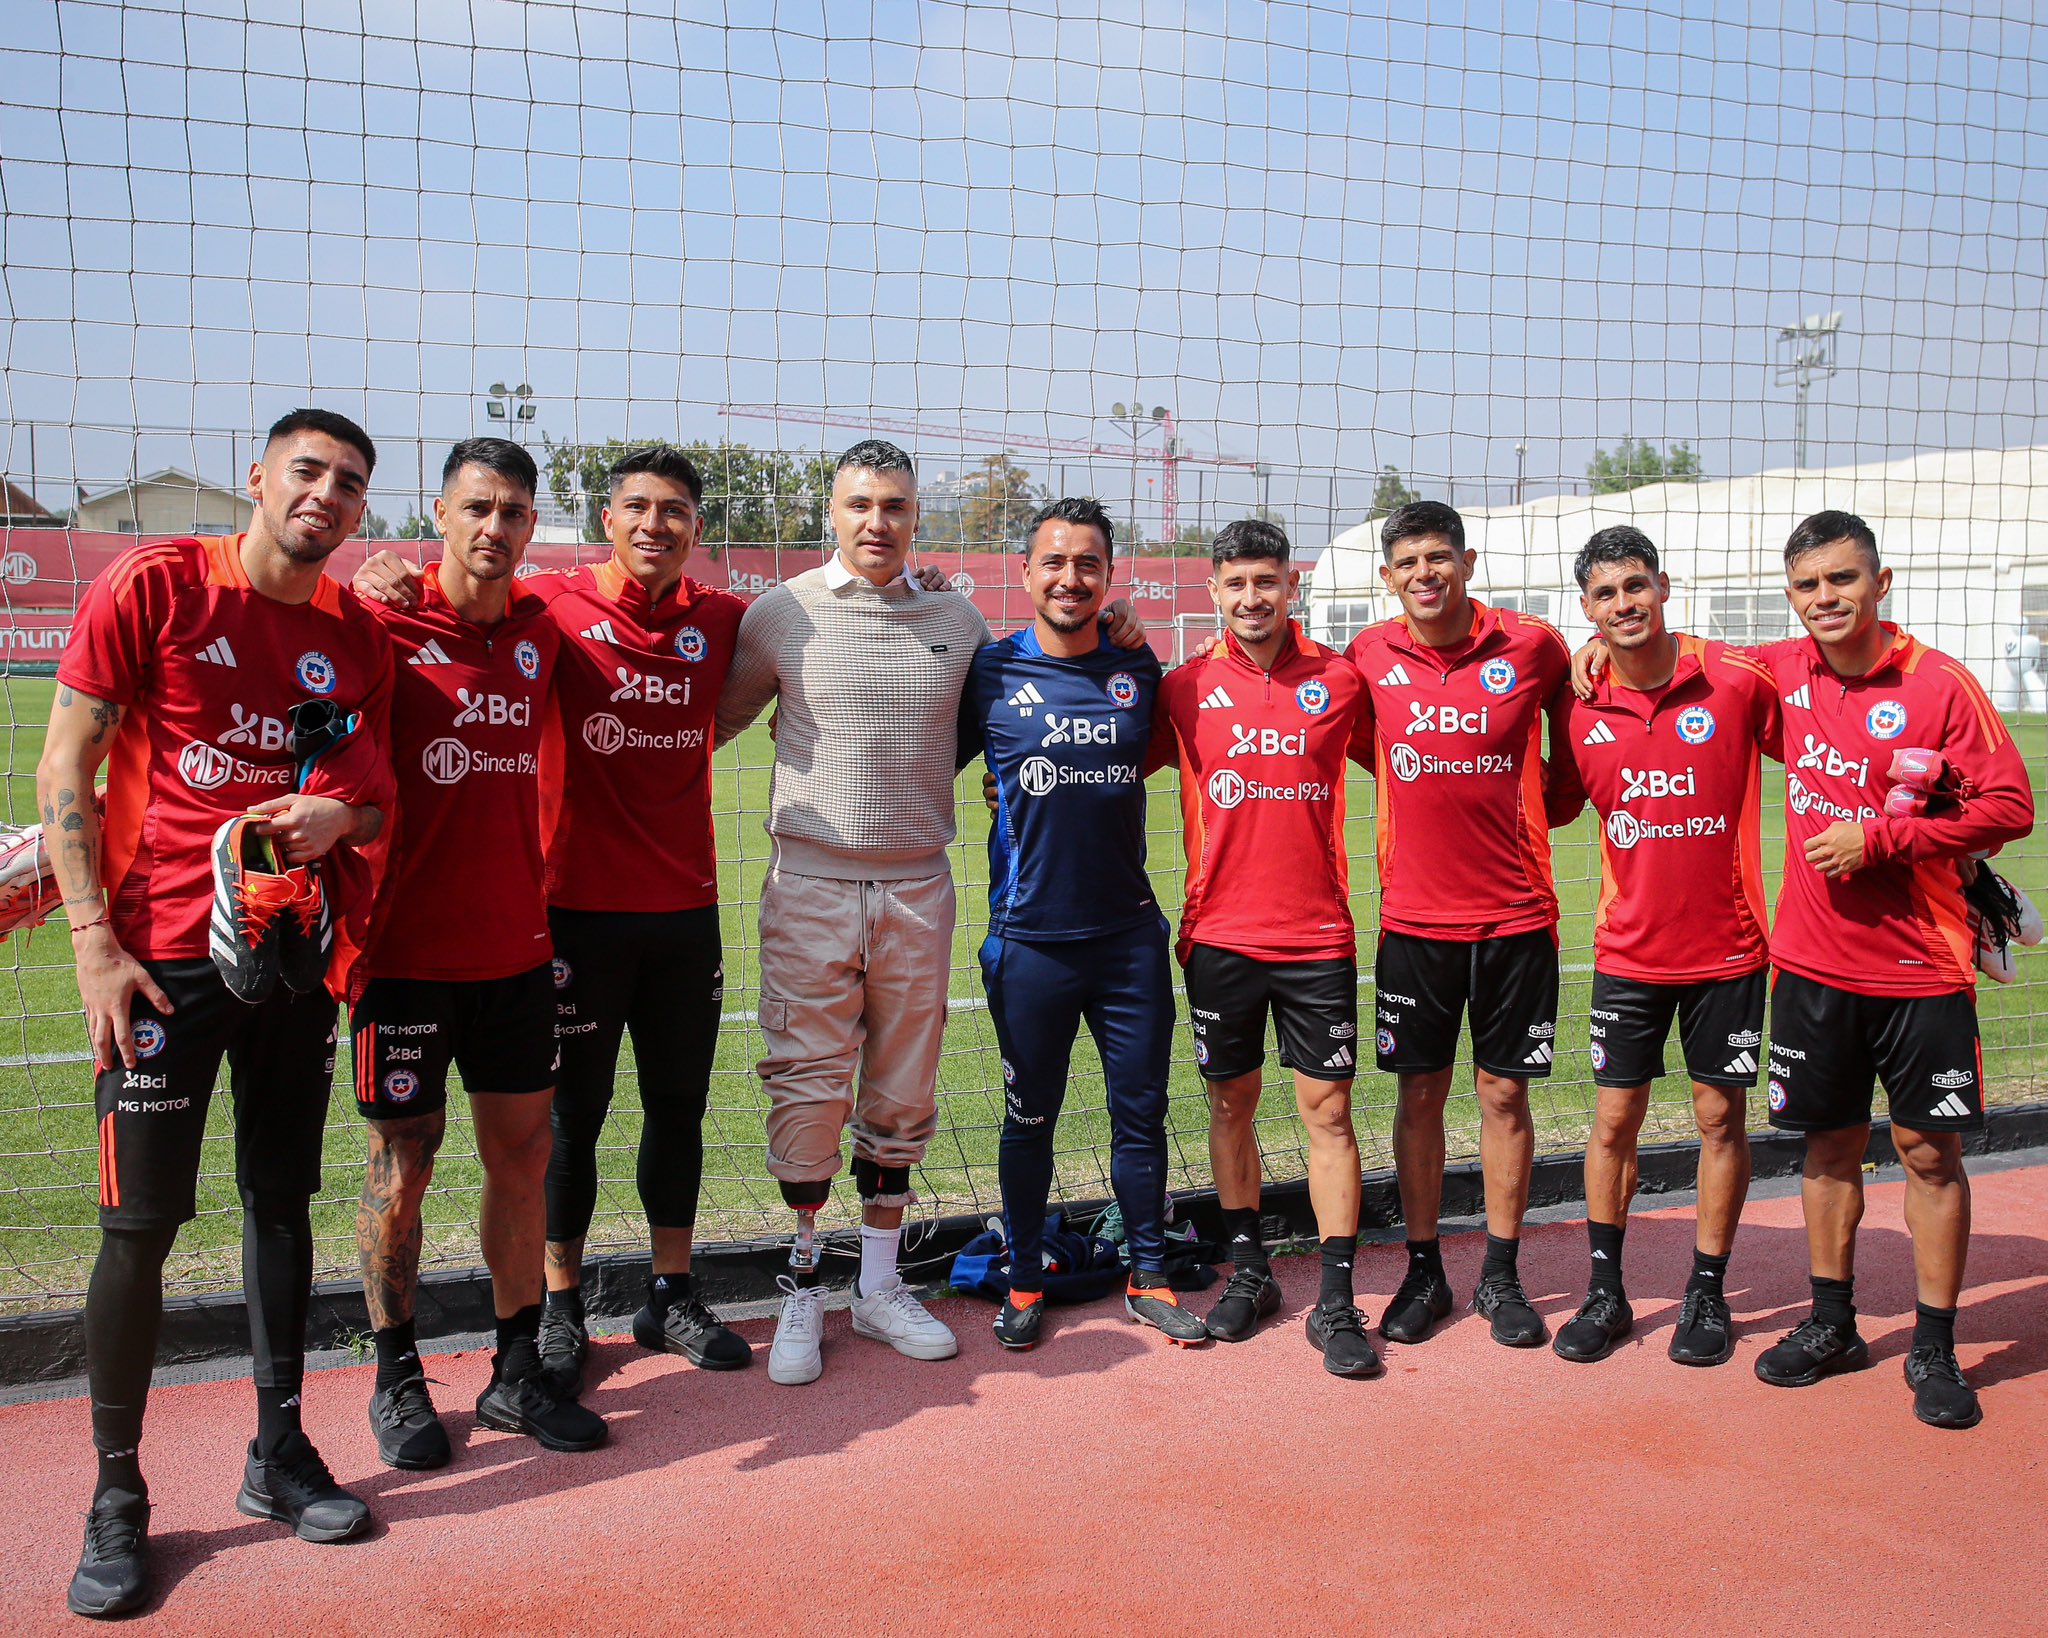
<point x="1745" y="1038"/>
<point x="1078" y="731"/>
<point x="445" y="761"/>
<point x="644" y="685"/>
<point x="1623" y="830"/>
<point x="495" y="709"/>
<point x="1038" y="775"/>
<point x="252" y="728"/>
<point x="604" y="733"/>
<point x="1823" y="756"/>
<point x="1444" y="719"/>
<point x="203" y="767"/>
<point x="1406" y="761"/>
<point x="1656" y="782"/>
<point x="17" y="568"/>
<point x="1267" y="741"/>
<point x="1226" y="787"/>
<point x="1949" y="1080"/>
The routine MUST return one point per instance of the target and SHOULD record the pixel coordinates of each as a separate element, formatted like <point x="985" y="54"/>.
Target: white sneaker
<point x="894" y="1316"/>
<point x="797" y="1355"/>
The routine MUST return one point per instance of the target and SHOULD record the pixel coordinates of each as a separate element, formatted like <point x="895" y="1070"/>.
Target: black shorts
<point x="659" y="973"/>
<point x="1314" y="1006"/>
<point x="1424" y="985"/>
<point x="1720" y="1029"/>
<point x="1829" y="1045"/>
<point x="153" y="1117"/>
<point x="500" y="1032"/>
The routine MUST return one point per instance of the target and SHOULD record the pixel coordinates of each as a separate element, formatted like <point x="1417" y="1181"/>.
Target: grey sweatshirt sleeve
<point x="753" y="679"/>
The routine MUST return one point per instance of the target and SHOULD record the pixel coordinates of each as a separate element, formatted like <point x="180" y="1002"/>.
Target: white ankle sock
<point x="877" y="1257"/>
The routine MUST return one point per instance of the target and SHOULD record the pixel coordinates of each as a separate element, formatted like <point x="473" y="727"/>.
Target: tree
<point x="1391" y="491"/>
<point x="998" y="503"/>
<point x="1636" y="462"/>
<point x="415" y="527"/>
<point x="752" y="496"/>
<point x="373" y="528"/>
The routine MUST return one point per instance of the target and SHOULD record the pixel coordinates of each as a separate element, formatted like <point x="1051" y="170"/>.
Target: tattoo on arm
<point x="106" y="718"/>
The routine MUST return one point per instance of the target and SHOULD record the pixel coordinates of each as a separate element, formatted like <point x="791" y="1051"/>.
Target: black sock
<point x="519" y="1345"/>
<point x="1241" y="1228"/>
<point x="1340" y="1251"/>
<point x="1426" y="1257"/>
<point x="1500" y="1257"/>
<point x="666" y="1288"/>
<point x="119" y="1470"/>
<point x="1707" y="1272"/>
<point x="277" y="1279"/>
<point x="1834" y="1302"/>
<point x="398" y="1353"/>
<point x="1606" y="1244"/>
<point x="277" y="1417"/>
<point x="569" y="1300"/>
<point x="123" y="1306"/>
<point x="1934" y="1325"/>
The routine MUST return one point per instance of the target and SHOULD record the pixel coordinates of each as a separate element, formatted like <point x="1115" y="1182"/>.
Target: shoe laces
<point x="1503" y="1288"/>
<point x="560" y="1333"/>
<point x="1246" y="1283"/>
<point x="693" y="1313"/>
<point x="1341" y="1316"/>
<point x="803" y="1309"/>
<point x="1702" y="1310"/>
<point x="1817" y="1336"/>
<point x="308" y="903"/>
<point x="112" y="1534"/>
<point x="1416" y="1285"/>
<point x="302" y="1466"/>
<point x="900" y="1300"/>
<point x="262" y="897"/>
<point x="1932" y="1359"/>
<point x="1600" y="1304"/>
<point x="407" y="1399"/>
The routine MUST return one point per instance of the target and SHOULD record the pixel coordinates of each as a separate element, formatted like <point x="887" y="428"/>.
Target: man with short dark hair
<point x="1468" y="911"/>
<point x="189" y="669"/>
<point x="1064" y="721"/>
<point x="1669" y="749"/>
<point x="1261" y="723"/>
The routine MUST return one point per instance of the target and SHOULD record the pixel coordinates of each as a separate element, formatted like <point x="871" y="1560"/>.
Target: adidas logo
<point x="217" y="652"/>
<point x="1602" y="1257"/>
<point x="1396" y="678"/>
<point x="1025" y="698"/>
<point x="430" y="653"/>
<point x="1601" y="735"/>
<point x="1744" y="1064"/>
<point x="1540" y="1056"/>
<point x="1340" y="1059"/>
<point x="1954" y="1108"/>
<point x="1217" y="700"/>
<point x="1802" y="696"/>
<point x="600" y="633"/>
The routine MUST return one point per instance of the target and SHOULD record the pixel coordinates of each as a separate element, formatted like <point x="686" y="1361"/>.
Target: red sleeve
<point x="1997" y="804"/>
<point x="1766" y="706"/>
<point x="113" y="639"/>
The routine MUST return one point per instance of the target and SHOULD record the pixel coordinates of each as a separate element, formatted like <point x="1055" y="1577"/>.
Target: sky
<point x="1327" y="239"/>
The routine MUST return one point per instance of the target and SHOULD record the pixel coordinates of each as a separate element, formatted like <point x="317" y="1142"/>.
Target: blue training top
<point x="1066" y="740"/>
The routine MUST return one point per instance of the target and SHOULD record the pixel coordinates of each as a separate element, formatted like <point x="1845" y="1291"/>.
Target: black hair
<point x="1824" y="529"/>
<point x="499" y="455"/>
<point x="1247" y="541"/>
<point x="338" y="427"/>
<point x="1621" y="543"/>
<point x="1420" y="518"/>
<point x="876" y="455"/>
<point x="660" y="461"/>
<point x="1082" y="509"/>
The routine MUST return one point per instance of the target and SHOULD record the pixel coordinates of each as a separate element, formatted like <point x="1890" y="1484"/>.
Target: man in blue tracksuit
<point x="1074" y="931"/>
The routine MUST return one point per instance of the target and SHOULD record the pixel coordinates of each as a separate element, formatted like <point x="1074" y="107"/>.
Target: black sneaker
<point x="112" y="1577"/>
<point x="1814" y="1349"/>
<point x="250" y="900"/>
<point x="1338" y="1330"/>
<point x="1515" y="1323"/>
<point x="1706" y="1330"/>
<point x="525" y="1406"/>
<point x="294" y="1487"/>
<point x="692" y="1330"/>
<point x="1017" y="1328"/>
<point x="1156" y="1306"/>
<point x="564" y="1345"/>
<point x="409" y="1434"/>
<point x="1250" y="1295"/>
<point x="1422" y="1299"/>
<point x="1941" y="1398"/>
<point x="1596" y="1329"/>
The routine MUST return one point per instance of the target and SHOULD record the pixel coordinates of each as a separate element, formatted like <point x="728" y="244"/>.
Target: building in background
<point x="168" y="502"/>
<point x="21" y="510"/>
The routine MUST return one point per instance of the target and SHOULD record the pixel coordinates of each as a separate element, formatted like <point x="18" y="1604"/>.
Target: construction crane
<point x="1173" y="454"/>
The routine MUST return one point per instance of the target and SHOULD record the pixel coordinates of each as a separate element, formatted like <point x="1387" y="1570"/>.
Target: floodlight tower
<point x="513" y="405"/>
<point x="1806" y="354"/>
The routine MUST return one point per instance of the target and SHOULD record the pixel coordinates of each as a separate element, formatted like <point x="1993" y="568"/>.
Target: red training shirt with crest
<point x="1261" y="758"/>
<point x="1898" y="926"/>
<point x="207" y="669"/>
<point x="463" y="896"/>
<point x="626" y="764"/>
<point x="1676" y="775"/>
<point x="1464" y="827"/>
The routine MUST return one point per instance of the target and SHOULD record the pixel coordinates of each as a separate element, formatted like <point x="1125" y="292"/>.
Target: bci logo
<point x="645" y="685"/>
<point x="1656" y="782"/>
<point x="491" y="708"/>
<point x="1444" y="719"/>
<point x="1267" y="741"/>
<point x="252" y="728"/>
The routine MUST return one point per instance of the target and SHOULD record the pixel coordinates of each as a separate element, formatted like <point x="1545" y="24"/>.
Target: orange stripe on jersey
<point x="1339" y="851"/>
<point x="609" y="578"/>
<point x="110" y="1172"/>
<point x="1751" y="906"/>
<point x="1944" y="923"/>
<point x="127" y="802"/>
<point x="1383" y="810"/>
<point x="1530" y="823"/>
<point x="1194" y="836"/>
<point x="1609" y="887"/>
<point x="1989" y="723"/>
<point x="131" y="566"/>
<point x="224" y="561"/>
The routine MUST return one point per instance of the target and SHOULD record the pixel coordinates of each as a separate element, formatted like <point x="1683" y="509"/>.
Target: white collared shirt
<point x="837" y="574"/>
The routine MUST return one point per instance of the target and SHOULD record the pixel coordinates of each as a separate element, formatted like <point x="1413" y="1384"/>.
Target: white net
<point x="1554" y="266"/>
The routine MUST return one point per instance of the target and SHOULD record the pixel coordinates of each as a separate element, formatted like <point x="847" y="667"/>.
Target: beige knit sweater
<point x="869" y="680"/>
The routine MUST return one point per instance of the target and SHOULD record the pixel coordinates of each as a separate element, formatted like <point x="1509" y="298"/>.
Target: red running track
<point x="1109" y="1482"/>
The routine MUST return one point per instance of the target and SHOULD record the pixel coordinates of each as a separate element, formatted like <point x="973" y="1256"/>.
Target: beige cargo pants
<point x="853" y="992"/>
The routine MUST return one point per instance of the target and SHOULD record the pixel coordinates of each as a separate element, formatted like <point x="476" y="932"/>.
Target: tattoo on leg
<point x="388" y="1230"/>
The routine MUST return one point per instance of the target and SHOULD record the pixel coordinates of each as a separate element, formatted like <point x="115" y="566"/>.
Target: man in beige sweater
<point x="857" y="911"/>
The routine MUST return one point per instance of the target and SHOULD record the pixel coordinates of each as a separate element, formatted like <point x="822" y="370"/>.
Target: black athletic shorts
<point x="499" y="1032"/>
<point x="1314" y="1006"/>
<point x="1423" y="986"/>
<point x="659" y="973"/>
<point x="153" y="1117"/>
<point x="1829" y="1045"/>
<point x="1720" y="1029"/>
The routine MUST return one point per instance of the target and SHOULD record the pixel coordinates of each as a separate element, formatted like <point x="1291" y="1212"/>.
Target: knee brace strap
<point x="881" y="1185"/>
<point x="806" y="1196"/>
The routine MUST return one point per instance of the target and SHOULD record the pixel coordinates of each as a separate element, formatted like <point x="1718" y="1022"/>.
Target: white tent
<point x="1965" y="532"/>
